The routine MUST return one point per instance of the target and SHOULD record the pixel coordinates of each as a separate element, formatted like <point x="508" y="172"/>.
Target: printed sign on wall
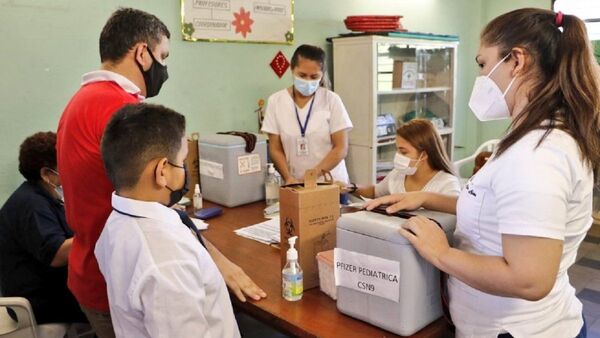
<point x="258" y="21"/>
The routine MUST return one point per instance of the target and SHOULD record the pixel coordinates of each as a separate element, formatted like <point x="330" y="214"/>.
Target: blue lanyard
<point x="303" y="128"/>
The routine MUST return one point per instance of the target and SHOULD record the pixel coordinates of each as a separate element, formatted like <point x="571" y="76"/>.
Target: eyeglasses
<point x="176" y="166"/>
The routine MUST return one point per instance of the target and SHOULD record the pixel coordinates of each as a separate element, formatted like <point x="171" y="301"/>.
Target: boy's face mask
<point x="177" y="194"/>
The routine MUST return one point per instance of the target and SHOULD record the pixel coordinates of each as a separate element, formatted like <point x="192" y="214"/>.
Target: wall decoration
<point x="253" y="21"/>
<point x="279" y="64"/>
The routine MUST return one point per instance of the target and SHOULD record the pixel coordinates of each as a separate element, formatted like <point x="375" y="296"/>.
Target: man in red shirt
<point x="133" y="48"/>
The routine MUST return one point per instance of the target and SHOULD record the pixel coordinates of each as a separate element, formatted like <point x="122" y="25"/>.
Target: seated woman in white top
<point x="420" y="164"/>
<point x="307" y="123"/>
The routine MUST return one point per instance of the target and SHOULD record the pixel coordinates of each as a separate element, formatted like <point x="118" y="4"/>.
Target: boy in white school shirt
<point x="161" y="280"/>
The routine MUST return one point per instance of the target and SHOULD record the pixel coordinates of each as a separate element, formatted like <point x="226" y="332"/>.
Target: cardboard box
<point x="311" y="213"/>
<point x="192" y="161"/>
<point x="404" y="75"/>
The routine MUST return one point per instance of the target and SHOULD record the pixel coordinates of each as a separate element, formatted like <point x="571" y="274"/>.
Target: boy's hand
<point x="238" y="282"/>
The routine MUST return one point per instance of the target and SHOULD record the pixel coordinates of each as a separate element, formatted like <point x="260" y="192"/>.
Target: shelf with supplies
<point x="386" y="81"/>
<point x="401" y="91"/>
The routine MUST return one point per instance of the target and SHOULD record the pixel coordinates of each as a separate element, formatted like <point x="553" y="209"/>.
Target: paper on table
<point x="360" y="205"/>
<point x="200" y="224"/>
<point x="266" y="232"/>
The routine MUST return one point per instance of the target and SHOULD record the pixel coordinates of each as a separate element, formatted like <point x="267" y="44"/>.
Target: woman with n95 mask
<point x="307" y="123"/>
<point x="523" y="215"/>
<point x="420" y="164"/>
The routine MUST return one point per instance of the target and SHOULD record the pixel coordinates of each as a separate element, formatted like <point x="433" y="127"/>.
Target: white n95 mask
<point x="402" y="164"/>
<point x="487" y="100"/>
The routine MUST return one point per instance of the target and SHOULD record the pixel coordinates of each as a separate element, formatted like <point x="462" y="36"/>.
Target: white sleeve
<point x="532" y="189"/>
<point x="339" y="116"/>
<point x="270" y="122"/>
<point x="172" y="299"/>
<point x="450" y="185"/>
<point x="383" y="188"/>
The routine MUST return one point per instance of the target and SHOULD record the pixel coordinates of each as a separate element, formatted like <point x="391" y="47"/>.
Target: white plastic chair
<point x="486" y="146"/>
<point x="25" y="325"/>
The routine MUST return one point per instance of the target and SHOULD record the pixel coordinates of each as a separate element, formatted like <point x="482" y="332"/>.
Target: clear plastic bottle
<point x="291" y="275"/>
<point x="271" y="186"/>
<point x="197" y="199"/>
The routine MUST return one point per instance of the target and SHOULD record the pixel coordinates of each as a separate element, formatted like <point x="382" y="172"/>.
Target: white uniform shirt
<point x="544" y="192"/>
<point x="328" y="116"/>
<point x="161" y="281"/>
<point x="441" y="183"/>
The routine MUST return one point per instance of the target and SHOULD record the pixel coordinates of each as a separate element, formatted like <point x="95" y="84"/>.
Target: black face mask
<point x="154" y="77"/>
<point x="176" y="195"/>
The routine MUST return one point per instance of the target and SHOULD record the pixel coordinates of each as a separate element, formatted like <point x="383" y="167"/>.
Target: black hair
<point x="312" y="53"/>
<point x="36" y="152"/>
<point x="309" y="52"/>
<point x="565" y="88"/>
<point x="125" y="28"/>
<point x="136" y="135"/>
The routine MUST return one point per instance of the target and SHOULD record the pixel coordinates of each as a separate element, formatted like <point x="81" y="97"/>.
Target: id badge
<point x="302" y="146"/>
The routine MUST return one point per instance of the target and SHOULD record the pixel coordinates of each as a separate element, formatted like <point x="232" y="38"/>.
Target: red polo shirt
<point x="86" y="186"/>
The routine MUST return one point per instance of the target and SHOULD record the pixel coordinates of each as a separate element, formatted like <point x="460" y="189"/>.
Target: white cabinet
<point x="387" y="80"/>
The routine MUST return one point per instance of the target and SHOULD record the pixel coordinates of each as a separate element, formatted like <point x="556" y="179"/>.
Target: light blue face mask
<point x="305" y="87"/>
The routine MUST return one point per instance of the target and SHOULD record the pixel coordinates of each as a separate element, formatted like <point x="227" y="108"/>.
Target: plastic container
<point x="419" y="284"/>
<point x="326" y="274"/>
<point x="271" y="186"/>
<point x="291" y="276"/>
<point x="197" y="199"/>
<point x="230" y="176"/>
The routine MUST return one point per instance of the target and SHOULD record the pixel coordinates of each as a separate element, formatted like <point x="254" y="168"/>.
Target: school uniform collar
<point x="142" y="209"/>
<point x="106" y="75"/>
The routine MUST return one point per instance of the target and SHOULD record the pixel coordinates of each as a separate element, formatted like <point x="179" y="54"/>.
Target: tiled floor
<point x="585" y="277"/>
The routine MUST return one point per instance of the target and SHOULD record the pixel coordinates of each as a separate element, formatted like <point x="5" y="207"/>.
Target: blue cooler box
<point x="374" y="234"/>
<point x="230" y="176"/>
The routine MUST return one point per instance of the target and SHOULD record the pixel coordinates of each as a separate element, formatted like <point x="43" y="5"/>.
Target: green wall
<point x="46" y="46"/>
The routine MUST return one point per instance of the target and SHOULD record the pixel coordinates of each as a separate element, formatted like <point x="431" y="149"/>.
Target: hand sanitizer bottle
<point x="271" y="186"/>
<point x="292" y="274"/>
<point x="197" y="198"/>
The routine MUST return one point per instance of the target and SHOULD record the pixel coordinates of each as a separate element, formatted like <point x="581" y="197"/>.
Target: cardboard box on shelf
<point x="404" y="75"/>
<point x="309" y="211"/>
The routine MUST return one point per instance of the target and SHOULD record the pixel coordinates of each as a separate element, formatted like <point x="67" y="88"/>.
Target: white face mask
<point x="57" y="188"/>
<point x="402" y="164"/>
<point x="487" y="100"/>
<point x="306" y="87"/>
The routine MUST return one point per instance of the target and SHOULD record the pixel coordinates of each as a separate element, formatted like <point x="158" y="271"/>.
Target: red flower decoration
<point x="280" y="64"/>
<point x="242" y="22"/>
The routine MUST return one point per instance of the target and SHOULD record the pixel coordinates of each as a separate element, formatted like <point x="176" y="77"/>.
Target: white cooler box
<point x="419" y="303"/>
<point x="230" y="176"/>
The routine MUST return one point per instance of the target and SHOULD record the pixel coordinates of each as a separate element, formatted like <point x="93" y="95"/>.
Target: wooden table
<point x="316" y="315"/>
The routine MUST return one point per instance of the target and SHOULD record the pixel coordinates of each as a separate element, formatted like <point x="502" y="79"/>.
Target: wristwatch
<point x="353" y="188"/>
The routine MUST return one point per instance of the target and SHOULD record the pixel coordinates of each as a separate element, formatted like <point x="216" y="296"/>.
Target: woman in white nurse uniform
<point x="307" y="123"/>
<point x="522" y="217"/>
